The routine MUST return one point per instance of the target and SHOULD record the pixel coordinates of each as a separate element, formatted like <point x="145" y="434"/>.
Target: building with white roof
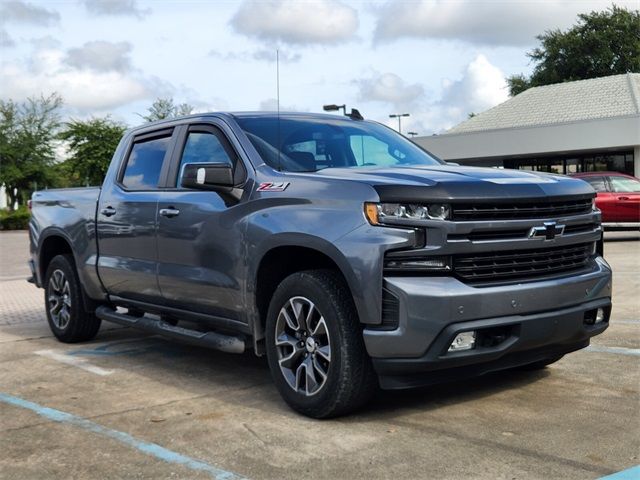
<point x="586" y="125"/>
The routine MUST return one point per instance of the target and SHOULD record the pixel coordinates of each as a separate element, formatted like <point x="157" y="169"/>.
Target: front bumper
<point x="539" y="319"/>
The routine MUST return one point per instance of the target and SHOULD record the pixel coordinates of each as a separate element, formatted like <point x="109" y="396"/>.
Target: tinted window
<point x="597" y="183"/>
<point x="203" y="147"/>
<point x="145" y="163"/>
<point x="310" y="144"/>
<point x="625" y="184"/>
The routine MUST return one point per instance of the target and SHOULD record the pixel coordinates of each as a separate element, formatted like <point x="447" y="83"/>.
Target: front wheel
<point x="315" y="348"/>
<point x="68" y="319"/>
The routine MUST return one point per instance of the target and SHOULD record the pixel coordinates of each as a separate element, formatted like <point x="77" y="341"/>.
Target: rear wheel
<point x="68" y="319"/>
<point x="315" y="348"/>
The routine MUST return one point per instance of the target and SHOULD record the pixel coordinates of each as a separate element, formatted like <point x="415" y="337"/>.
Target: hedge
<point x="15" y="219"/>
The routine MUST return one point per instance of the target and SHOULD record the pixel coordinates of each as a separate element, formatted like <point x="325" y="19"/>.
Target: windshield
<point x="311" y="144"/>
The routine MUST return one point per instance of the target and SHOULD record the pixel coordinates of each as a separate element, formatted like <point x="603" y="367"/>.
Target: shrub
<point x="15" y="219"/>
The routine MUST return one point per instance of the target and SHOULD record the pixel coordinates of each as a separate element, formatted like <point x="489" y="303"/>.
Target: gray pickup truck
<point x="347" y="254"/>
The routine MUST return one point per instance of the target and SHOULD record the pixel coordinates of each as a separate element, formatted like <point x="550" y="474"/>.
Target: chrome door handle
<point x="108" y="211"/>
<point x="169" y="212"/>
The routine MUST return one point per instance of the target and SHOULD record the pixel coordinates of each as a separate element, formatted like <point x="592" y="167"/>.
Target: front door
<point x="199" y="232"/>
<point x="626" y="191"/>
<point x="127" y="221"/>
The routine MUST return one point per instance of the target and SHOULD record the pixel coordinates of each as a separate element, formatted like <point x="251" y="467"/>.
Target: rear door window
<point x="145" y="163"/>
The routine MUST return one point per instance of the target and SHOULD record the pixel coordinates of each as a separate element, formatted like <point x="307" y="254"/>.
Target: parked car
<point x="336" y="247"/>
<point x="618" y="198"/>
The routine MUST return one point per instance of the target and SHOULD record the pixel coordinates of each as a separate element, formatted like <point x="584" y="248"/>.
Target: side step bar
<point x="214" y="340"/>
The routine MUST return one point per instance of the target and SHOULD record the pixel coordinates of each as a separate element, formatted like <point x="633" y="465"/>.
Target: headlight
<point x="379" y="213"/>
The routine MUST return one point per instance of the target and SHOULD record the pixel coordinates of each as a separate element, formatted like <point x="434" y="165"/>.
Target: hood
<point x="453" y="183"/>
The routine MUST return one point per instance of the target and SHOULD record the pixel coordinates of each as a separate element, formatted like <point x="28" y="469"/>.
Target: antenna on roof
<point x="278" y="146"/>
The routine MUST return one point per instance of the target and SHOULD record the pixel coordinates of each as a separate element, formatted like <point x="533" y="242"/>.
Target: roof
<point x="170" y="122"/>
<point x="582" y="100"/>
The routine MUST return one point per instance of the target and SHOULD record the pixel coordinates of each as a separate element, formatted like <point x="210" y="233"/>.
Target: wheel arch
<point x="53" y="243"/>
<point x="283" y="256"/>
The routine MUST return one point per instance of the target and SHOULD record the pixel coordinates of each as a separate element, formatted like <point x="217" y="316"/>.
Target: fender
<point x="296" y="239"/>
<point x="87" y="270"/>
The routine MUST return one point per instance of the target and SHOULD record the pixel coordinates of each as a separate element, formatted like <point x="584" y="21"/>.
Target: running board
<point x="214" y="340"/>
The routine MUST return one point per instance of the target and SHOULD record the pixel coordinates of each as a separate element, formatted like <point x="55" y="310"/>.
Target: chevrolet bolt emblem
<point x="550" y="230"/>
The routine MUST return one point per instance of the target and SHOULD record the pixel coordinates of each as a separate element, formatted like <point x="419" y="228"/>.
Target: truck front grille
<point x="519" y="211"/>
<point x="521" y="264"/>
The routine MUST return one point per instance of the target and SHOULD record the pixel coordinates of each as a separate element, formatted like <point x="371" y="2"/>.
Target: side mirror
<point x="207" y="176"/>
<point x="453" y="164"/>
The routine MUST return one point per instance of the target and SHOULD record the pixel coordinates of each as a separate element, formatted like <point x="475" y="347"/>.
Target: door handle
<point x="623" y="198"/>
<point x="108" y="211"/>
<point x="169" y="212"/>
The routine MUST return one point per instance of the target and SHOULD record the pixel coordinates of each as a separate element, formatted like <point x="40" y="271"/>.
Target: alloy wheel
<point x="59" y="299"/>
<point x="303" y="346"/>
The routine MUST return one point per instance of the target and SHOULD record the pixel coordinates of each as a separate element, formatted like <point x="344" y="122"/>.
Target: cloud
<point x="271" y="105"/>
<point x="260" y="54"/>
<point x="17" y="11"/>
<point x="47" y="41"/>
<point x="101" y="56"/>
<point x="389" y="88"/>
<point x="292" y="21"/>
<point x="115" y="7"/>
<point x="268" y="55"/>
<point x="5" y="40"/>
<point x="480" y="86"/>
<point x="84" y="90"/>
<point x="488" y="23"/>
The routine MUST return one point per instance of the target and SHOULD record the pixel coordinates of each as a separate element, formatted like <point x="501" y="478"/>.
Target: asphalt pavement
<point x="130" y="405"/>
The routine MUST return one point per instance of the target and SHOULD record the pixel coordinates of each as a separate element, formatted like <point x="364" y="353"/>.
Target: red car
<point x="618" y="198"/>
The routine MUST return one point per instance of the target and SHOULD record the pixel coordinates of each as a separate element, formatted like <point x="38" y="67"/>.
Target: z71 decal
<point x="273" y="186"/>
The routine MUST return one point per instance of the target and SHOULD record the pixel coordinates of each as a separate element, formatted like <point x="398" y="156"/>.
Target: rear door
<point x="626" y="192"/>
<point x="127" y="219"/>
<point x="200" y="232"/>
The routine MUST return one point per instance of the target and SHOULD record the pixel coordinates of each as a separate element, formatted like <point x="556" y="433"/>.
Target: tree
<point x="91" y="144"/>
<point x="27" y="144"/>
<point x="163" y="108"/>
<point x="600" y="44"/>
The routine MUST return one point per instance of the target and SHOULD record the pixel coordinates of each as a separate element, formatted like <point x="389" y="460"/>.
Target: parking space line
<point x="151" y="449"/>
<point x="617" y="350"/>
<point x="632" y="473"/>
<point x="74" y="361"/>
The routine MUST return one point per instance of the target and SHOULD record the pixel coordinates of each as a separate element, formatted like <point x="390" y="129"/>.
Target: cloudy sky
<point x="435" y="59"/>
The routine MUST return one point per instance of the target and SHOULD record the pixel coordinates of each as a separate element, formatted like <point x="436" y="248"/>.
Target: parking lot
<point x="129" y="405"/>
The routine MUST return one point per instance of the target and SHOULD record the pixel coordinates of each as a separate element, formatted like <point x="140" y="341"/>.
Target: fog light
<point x="463" y="341"/>
<point x="595" y="316"/>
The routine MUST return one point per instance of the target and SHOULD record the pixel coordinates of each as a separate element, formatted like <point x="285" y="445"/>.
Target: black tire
<point x="349" y="380"/>
<point x="68" y="319"/>
<point x="540" y="364"/>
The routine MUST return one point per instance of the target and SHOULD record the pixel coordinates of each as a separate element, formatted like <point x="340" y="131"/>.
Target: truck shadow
<point x="246" y="381"/>
<point x="391" y="403"/>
